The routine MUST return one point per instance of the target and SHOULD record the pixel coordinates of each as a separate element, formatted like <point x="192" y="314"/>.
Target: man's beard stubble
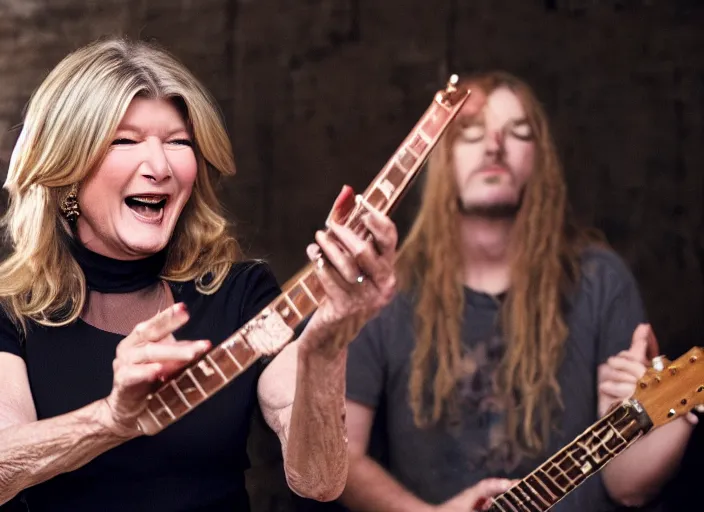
<point x="495" y="211"/>
<point x="502" y="210"/>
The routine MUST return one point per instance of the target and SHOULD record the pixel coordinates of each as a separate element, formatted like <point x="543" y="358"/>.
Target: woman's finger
<point x="334" y="285"/>
<point x="382" y="230"/>
<point x="364" y="254"/>
<point x="181" y="351"/>
<point x="131" y="375"/>
<point x="159" y="326"/>
<point x="343" y="263"/>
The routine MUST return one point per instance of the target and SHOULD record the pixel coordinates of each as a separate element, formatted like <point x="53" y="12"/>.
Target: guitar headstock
<point x="671" y="389"/>
<point x="452" y="93"/>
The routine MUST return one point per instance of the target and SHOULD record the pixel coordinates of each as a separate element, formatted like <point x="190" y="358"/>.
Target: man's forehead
<point x="502" y="103"/>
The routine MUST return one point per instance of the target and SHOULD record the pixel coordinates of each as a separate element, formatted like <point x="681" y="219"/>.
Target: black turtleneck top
<point x="196" y="464"/>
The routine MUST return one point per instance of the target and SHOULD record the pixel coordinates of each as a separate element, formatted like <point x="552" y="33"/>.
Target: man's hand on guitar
<point x="477" y="497"/>
<point x="619" y="375"/>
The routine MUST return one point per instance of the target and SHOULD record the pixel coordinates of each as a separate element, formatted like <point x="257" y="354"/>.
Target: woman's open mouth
<point x="148" y="208"/>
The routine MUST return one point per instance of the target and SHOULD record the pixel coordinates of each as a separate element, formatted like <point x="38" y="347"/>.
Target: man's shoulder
<point x="401" y="306"/>
<point x="604" y="277"/>
<point x="392" y="324"/>
<point x="601" y="263"/>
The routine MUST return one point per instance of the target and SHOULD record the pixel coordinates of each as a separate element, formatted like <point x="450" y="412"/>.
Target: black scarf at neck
<point x="108" y="275"/>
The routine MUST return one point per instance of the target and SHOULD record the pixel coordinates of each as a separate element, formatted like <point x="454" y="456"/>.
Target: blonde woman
<point x="118" y="250"/>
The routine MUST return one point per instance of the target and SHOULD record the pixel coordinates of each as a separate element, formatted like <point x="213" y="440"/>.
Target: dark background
<point x="319" y="93"/>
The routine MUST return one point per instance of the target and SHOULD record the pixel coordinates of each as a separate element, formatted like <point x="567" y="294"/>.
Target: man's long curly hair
<point x="546" y="247"/>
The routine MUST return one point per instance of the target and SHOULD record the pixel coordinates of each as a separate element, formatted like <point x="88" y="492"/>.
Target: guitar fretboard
<point x="579" y="460"/>
<point x="274" y="326"/>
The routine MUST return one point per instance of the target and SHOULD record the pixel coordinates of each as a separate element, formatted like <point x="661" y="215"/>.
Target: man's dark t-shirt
<point x="439" y="462"/>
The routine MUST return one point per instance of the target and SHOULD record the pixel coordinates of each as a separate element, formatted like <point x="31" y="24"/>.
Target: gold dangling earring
<point x="69" y="206"/>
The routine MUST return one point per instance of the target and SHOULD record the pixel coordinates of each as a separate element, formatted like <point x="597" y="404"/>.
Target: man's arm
<point x="638" y="474"/>
<point x="371" y="489"/>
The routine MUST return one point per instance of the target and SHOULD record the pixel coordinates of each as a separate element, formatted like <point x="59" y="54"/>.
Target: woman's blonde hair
<point x="68" y="127"/>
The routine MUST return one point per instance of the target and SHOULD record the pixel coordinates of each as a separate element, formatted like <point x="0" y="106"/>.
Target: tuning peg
<point x="658" y="363"/>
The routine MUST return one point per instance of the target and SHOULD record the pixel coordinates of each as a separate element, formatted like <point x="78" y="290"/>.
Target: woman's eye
<point x="123" y="141"/>
<point x="182" y="142"/>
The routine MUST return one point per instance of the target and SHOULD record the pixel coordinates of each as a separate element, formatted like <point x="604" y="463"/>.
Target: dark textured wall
<point x="317" y="93"/>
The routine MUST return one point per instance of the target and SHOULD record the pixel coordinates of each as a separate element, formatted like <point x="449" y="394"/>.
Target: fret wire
<point x="536" y="494"/>
<point x="495" y="503"/>
<point x="408" y="148"/>
<point x="562" y="472"/>
<point x="156" y="420"/>
<point x="512" y="492"/>
<point x="424" y="136"/>
<point x="234" y="359"/>
<point x="307" y="291"/>
<point x="528" y="499"/>
<point x="397" y="160"/>
<point x="598" y="437"/>
<point x="379" y="186"/>
<point x="389" y="200"/>
<point x="577" y="464"/>
<point x="361" y="207"/>
<point x="565" y="472"/>
<point x="441" y="104"/>
<point x="166" y="407"/>
<point x="408" y="175"/>
<point x="292" y="305"/>
<point x="409" y="145"/>
<point x="180" y="394"/>
<point x="542" y="469"/>
<point x="545" y="488"/>
<point x="217" y="368"/>
<point x="286" y="312"/>
<point x="189" y="372"/>
<point x="512" y="508"/>
<point x="593" y="433"/>
<point x="563" y="491"/>
<point x="618" y="433"/>
<point x="600" y="441"/>
<point x="418" y="131"/>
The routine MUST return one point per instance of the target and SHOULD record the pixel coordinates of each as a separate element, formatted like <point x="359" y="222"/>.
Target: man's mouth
<point x="147" y="207"/>
<point x="493" y="169"/>
<point x="493" y="173"/>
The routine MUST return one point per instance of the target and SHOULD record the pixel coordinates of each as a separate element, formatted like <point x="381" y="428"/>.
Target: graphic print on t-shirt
<point x="483" y="409"/>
